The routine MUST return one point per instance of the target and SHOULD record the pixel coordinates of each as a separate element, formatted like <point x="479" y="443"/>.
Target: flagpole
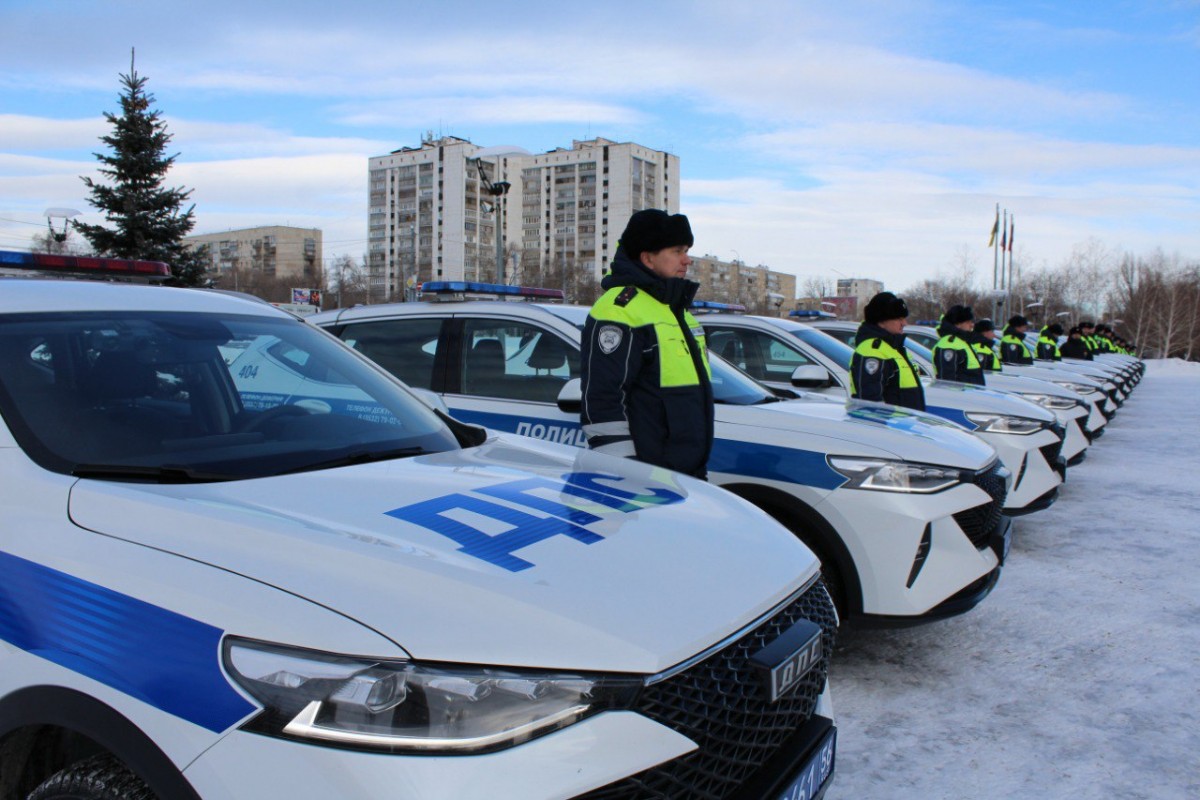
<point x="1010" y="261"/>
<point x="995" y="259"/>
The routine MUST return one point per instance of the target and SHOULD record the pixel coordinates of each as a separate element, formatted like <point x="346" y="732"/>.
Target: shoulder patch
<point x="609" y="338"/>
<point x="949" y="355"/>
<point x="627" y="294"/>
<point x="871" y="365"/>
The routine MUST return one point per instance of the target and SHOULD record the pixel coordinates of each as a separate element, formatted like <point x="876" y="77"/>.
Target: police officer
<point x="1074" y="346"/>
<point x="1013" y="349"/>
<point x="647" y="389"/>
<point x="1047" y="343"/>
<point x="1089" y="336"/>
<point x="880" y="369"/>
<point x="985" y="345"/>
<point x="954" y="357"/>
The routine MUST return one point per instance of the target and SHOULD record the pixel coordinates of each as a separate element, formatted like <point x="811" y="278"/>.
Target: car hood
<point x="855" y="428"/>
<point x="965" y="397"/>
<point x="475" y="555"/>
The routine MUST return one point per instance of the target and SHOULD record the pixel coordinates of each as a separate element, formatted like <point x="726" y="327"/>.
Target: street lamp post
<point x="497" y="189"/>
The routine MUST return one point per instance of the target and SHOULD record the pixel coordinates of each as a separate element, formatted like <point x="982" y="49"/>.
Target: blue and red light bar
<point x="84" y="265"/>
<point x="812" y="314"/>
<point x="475" y="287"/>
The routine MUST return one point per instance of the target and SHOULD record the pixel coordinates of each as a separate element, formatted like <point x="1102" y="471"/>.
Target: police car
<point x="1026" y="436"/>
<point x="1091" y="383"/>
<point x="903" y="508"/>
<point x="768" y="345"/>
<point x="323" y="588"/>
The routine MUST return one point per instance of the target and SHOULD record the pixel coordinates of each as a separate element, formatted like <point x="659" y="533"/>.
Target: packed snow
<point x="1079" y="677"/>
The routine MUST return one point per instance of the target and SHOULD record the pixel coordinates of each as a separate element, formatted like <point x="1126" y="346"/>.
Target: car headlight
<point x="894" y="476"/>
<point x="406" y="706"/>
<point x="1004" y="423"/>
<point x="1050" y="401"/>
<point x="1078" y="388"/>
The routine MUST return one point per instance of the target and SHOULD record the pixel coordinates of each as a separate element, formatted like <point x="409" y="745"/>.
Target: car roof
<point x="25" y="295"/>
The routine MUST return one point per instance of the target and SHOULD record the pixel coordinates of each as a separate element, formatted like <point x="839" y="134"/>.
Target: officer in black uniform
<point x="985" y="345"/>
<point x="1047" y="344"/>
<point x="647" y="388"/>
<point x="880" y="369"/>
<point x="1074" y="346"/>
<point x="1013" y="349"/>
<point x="954" y="356"/>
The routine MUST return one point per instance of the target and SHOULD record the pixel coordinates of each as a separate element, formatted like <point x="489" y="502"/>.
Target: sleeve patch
<point x="609" y="338"/>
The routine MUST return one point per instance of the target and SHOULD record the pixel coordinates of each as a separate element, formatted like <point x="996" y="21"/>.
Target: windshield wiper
<point x="164" y="474"/>
<point x="358" y="457"/>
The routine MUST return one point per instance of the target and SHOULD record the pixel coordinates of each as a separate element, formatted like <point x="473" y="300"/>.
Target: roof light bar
<point x="500" y="291"/>
<point x="84" y="265"/>
<point x="812" y="314"/>
<point x="709" y="305"/>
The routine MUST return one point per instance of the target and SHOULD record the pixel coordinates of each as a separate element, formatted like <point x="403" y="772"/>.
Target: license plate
<point x="785" y="661"/>
<point x="812" y="776"/>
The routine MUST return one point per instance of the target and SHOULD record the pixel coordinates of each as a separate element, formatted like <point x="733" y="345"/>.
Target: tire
<point x="101" y="777"/>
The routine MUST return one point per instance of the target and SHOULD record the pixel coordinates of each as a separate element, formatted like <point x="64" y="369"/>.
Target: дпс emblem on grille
<point x="789" y="658"/>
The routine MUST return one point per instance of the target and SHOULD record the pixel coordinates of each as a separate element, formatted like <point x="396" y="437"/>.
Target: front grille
<point x="719" y="704"/>
<point x="979" y="522"/>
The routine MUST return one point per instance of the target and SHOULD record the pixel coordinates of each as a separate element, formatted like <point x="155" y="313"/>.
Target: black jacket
<point x="958" y="366"/>
<point x="878" y="379"/>
<point x="1075" y="348"/>
<point x="629" y="396"/>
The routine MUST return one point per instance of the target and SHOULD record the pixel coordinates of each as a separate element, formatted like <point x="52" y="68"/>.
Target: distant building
<point x="273" y="251"/>
<point x="760" y="289"/>
<point x="861" y="289"/>
<point x="431" y="217"/>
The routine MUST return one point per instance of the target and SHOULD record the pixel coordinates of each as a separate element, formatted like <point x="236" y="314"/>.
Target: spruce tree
<point x="147" y="218"/>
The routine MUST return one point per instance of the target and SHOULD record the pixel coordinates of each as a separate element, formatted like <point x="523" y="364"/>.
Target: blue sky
<point x="857" y="138"/>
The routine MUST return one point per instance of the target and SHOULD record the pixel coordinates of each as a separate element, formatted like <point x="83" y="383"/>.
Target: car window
<point x="407" y="348"/>
<point x="179" y="394"/>
<point x="515" y="361"/>
<point x="758" y="354"/>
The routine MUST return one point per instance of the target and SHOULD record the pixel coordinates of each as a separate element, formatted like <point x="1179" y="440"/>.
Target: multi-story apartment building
<point x="761" y="290"/>
<point x="272" y="251"/>
<point x="861" y="289"/>
<point x="433" y="216"/>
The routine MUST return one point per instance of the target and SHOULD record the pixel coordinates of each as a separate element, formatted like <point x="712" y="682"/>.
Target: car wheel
<point x="101" y="777"/>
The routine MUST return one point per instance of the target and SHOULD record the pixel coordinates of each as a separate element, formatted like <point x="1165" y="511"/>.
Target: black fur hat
<point x="885" y="306"/>
<point x="651" y="230"/>
<point x="1017" y="321"/>
<point x="984" y="325"/>
<point x="956" y="314"/>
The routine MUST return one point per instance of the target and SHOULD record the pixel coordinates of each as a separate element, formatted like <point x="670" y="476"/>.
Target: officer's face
<point x="670" y="262"/>
<point x="894" y="326"/>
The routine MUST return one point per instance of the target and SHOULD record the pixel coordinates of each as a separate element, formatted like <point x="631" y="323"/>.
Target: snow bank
<point x="1172" y="367"/>
<point x="1077" y="678"/>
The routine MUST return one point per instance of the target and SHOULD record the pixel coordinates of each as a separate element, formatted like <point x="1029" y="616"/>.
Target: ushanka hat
<point x="957" y="314"/>
<point x="885" y="306"/>
<point x="651" y="230"/>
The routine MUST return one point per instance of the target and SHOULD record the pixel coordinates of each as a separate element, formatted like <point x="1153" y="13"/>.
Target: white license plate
<point x="812" y="776"/>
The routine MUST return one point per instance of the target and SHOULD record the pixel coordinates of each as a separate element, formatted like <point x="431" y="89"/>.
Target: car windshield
<point x="836" y="351"/>
<point x="183" y="396"/>
<point x="734" y="387"/>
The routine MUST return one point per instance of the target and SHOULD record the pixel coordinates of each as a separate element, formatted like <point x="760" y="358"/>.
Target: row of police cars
<point x="241" y="558"/>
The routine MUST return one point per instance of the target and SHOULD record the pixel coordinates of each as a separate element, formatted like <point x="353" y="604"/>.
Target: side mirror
<point x="570" y="398"/>
<point x="811" y="376"/>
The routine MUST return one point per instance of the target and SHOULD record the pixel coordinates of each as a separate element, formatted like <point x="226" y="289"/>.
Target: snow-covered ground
<point x="1079" y="677"/>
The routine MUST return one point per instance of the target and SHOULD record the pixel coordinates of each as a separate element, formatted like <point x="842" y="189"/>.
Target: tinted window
<point x="515" y="361"/>
<point x="404" y="347"/>
<point x="760" y="355"/>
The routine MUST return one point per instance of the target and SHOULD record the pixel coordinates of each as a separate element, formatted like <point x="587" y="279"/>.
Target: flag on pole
<point x="995" y="228"/>
<point x="1004" y="240"/>
<point x="1010" y="233"/>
